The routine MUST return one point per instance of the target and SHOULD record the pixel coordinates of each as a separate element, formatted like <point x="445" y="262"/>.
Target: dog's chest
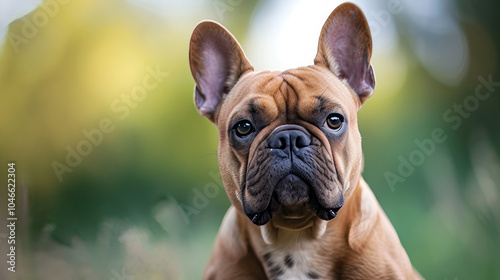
<point x="300" y="260"/>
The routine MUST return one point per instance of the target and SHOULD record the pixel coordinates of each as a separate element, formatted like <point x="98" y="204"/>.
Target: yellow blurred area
<point x="67" y="74"/>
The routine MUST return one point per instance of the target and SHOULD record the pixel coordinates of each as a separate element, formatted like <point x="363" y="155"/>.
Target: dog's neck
<point x="295" y="255"/>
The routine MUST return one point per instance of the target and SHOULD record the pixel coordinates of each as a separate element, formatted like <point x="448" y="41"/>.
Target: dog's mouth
<point x="293" y="205"/>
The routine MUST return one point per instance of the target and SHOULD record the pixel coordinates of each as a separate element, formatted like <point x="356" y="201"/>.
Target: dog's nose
<point x="293" y="139"/>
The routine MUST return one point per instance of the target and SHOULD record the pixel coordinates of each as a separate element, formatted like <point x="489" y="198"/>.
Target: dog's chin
<point x="293" y="212"/>
<point x="293" y="217"/>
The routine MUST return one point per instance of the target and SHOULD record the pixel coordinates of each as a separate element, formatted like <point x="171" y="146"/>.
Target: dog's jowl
<point x="290" y="159"/>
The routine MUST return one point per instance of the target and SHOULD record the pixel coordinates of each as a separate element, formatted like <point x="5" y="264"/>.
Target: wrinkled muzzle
<point x="290" y="172"/>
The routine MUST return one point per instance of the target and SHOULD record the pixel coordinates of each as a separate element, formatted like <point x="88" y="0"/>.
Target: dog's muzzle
<point x="290" y="172"/>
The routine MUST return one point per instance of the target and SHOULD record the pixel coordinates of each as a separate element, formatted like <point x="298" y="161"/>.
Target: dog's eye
<point x="334" y="121"/>
<point x="243" y="128"/>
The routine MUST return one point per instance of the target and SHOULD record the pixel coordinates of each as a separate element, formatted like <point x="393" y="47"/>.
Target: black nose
<point x="293" y="139"/>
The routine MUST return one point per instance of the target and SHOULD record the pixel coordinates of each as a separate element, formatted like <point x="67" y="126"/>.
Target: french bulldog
<point x="290" y="159"/>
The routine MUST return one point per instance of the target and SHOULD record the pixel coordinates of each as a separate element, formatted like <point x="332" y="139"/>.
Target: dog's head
<point x="289" y="144"/>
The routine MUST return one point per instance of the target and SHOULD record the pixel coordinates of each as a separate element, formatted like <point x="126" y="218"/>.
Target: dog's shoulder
<point x="232" y="257"/>
<point x="375" y="246"/>
<point x="232" y="234"/>
<point x="366" y="212"/>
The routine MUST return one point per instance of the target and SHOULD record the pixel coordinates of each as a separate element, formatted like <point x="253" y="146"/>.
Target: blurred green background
<point x="143" y="199"/>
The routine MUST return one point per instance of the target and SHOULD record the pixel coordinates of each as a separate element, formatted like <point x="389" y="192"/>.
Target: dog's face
<point x="289" y="145"/>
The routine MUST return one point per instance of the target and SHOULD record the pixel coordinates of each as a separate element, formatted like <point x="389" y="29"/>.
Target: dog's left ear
<point x="345" y="47"/>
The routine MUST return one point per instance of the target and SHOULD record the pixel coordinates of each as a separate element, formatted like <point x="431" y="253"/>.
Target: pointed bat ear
<point x="217" y="62"/>
<point x="345" y="47"/>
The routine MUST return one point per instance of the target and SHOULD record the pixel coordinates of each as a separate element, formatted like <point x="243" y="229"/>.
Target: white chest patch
<point x="292" y="258"/>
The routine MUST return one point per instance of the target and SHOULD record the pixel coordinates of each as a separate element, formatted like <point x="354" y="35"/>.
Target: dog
<point x="290" y="160"/>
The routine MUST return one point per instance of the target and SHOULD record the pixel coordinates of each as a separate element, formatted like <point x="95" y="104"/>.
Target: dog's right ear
<point x="217" y="62"/>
